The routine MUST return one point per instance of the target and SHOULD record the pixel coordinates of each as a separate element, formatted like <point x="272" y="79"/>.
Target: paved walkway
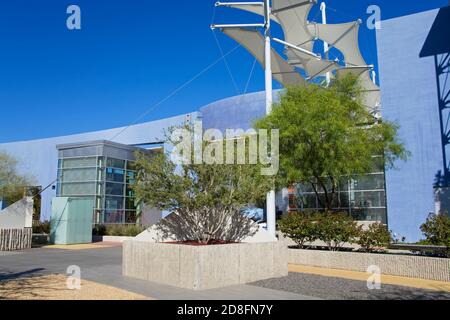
<point x="104" y="265"/>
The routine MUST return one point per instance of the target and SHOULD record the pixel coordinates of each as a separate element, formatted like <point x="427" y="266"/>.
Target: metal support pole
<point x="323" y="8"/>
<point x="271" y="210"/>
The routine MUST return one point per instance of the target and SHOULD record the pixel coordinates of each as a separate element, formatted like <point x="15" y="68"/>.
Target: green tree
<point x="437" y="230"/>
<point x="327" y="134"/>
<point x="13" y="186"/>
<point x="205" y="201"/>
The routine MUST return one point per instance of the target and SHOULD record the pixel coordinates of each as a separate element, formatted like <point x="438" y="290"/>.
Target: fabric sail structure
<point x="253" y="41"/>
<point x="292" y="16"/>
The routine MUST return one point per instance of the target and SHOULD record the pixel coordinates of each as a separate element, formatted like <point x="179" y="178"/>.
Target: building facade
<point x="410" y="95"/>
<point x="104" y="171"/>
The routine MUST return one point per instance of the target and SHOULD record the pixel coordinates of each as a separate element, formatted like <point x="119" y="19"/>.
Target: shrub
<point x="123" y="230"/>
<point x="300" y="227"/>
<point x="336" y="229"/>
<point x="437" y="230"/>
<point x="41" y="227"/>
<point x="376" y="237"/>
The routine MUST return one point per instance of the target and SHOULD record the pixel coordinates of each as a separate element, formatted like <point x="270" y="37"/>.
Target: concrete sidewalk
<point x="104" y="265"/>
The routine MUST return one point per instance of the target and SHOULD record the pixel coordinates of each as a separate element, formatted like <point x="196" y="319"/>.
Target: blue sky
<point x="128" y="56"/>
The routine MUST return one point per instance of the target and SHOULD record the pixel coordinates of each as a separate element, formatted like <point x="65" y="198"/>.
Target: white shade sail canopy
<point x="293" y="21"/>
<point x="344" y="37"/>
<point x="292" y="15"/>
<point x="253" y="41"/>
<point x="371" y="92"/>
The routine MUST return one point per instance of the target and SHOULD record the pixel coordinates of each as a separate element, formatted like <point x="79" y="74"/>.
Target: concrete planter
<point x="390" y="264"/>
<point x="204" y="267"/>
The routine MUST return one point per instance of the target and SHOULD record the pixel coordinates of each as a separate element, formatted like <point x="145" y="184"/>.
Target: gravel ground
<point x="344" y="289"/>
<point x="53" y="287"/>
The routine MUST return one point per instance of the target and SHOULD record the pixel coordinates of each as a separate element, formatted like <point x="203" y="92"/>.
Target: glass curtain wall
<point x="106" y="179"/>
<point x="363" y="197"/>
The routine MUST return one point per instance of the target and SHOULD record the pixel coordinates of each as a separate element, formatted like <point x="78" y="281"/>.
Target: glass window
<point x="114" y="203"/>
<point x="116" y="175"/>
<point x="78" y="189"/>
<point x="115" y="163"/>
<point x="129" y="191"/>
<point x="344" y="198"/>
<point x="113" y="216"/>
<point x="369" y="182"/>
<point x="130" y="217"/>
<point x="308" y="201"/>
<point x="79" y="175"/>
<point x="79" y="162"/>
<point x="369" y="215"/>
<point x="130" y="204"/>
<point x="369" y="199"/>
<point x="115" y="189"/>
<point x="131" y="177"/>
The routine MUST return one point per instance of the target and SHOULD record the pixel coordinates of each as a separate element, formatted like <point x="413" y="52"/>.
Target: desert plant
<point x="336" y="229"/>
<point x="204" y="200"/>
<point x="300" y="227"/>
<point x="375" y="237"/>
<point x="437" y="230"/>
<point x="13" y="186"/>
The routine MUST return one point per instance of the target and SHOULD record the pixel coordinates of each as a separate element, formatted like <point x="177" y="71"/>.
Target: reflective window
<point x="79" y="163"/>
<point x="115" y="203"/>
<point x="115" y="189"/>
<point x="115" y="163"/>
<point x="113" y="216"/>
<point x="116" y="175"/>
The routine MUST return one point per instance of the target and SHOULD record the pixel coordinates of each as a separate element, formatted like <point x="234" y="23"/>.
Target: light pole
<point x="271" y="209"/>
<point x="323" y="8"/>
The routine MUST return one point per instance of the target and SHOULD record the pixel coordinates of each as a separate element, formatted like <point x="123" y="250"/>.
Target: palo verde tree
<point x="13" y="186"/>
<point x="327" y="134"/>
<point x="204" y="199"/>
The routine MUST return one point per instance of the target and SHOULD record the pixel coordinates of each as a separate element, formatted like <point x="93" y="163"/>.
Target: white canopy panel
<point x="343" y="36"/>
<point x="253" y="41"/>
<point x="292" y="15"/>
<point x="371" y="92"/>
<point x="319" y="67"/>
<point x="293" y="21"/>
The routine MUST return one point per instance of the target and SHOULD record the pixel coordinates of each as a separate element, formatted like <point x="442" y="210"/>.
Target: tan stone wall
<point x="204" y="267"/>
<point x="390" y="264"/>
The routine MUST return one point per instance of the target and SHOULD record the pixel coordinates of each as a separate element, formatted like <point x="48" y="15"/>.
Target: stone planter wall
<point x="204" y="267"/>
<point x="390" y="264"/>
<point x="15" y="239"/>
